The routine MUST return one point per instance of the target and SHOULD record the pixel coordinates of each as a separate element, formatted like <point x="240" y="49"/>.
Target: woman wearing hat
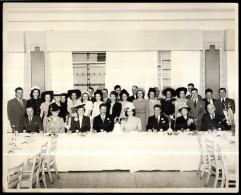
<point x="152" y="100"/>
<point x="142" y="107"/>
<point x="184" y="121"/>
<point x="64" y="105"/>
<point x="35" y="100"/>
<point x="168" y="105"/>
<point x="47" y="97"/>
<point x="88" y="104"/>
<point x="96" y="106"/>
<point x="80" y="121"/>
<point x="55" y="124"/>
<point x="124" y="95"/>
<point x="181" y="100"/>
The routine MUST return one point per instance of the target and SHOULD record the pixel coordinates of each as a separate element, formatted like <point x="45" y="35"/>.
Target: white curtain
<point x="185" y="68"/>
<point x="61" y="71"/>
<point x="13" y="77"/>
<point x="131" y="68"/>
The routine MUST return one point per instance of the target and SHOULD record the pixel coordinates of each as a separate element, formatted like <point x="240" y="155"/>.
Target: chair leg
<point x="49" y="173"/>
<point x="208" y="176"/>
<point x="56" y="170"/>
<point x="203" y="170"/>
<point x="199" y="166"/>
<point x="216" y="178"/>
<point x="44" y="181"/>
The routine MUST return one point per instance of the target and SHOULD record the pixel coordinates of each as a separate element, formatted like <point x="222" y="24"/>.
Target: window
<point x="89" y="69"/>
<point x="164" y="69"/>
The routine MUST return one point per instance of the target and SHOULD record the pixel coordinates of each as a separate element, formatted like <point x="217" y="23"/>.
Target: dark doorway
<point x="212" y="70"/>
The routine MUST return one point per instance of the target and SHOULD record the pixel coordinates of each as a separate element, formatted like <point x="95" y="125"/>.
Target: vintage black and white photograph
<point x="120" y="97"/>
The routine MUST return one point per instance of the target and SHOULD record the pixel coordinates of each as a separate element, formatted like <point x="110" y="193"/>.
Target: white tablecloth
<point x="118" y="152"/>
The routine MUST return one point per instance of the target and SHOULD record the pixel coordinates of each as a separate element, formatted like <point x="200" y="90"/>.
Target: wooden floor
<point x="125" y="179"/>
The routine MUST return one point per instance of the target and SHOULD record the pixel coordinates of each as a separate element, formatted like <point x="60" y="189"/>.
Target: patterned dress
<point x="45" y="108"/>
<point x="179" y="103"/>
<point x="55" y="125"/>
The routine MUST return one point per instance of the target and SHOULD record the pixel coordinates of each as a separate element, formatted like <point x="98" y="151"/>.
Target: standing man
<point x="197" y="108"/>
<point x="31" y="122"/>
<point x="16" y="109"/>
<point x="224" y="101"/>
<point x="209" y="98"/>
<point x="91" y="92"/>
<point x="133" y="97"/>
<point x="103" y="122"/>
<point x="105" y="96"/>
<point x="190" y="86"/>
<point x="117" y="89"/>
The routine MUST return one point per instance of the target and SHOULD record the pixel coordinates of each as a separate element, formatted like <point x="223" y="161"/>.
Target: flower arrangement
<point x="229" y="116"/>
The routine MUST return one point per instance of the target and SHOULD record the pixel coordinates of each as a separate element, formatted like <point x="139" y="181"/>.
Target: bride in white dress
<point x="131" y="123"/>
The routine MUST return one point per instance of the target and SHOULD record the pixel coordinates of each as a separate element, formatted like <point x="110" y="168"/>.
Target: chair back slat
<point x="15" y="176"/>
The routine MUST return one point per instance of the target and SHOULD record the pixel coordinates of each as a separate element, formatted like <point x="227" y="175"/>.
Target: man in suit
<point x="212" y="120"/>
<point x="133" y="97"/>
<point x="82" y="122"/>
<point x="103" y="122"/>
<point x="16" y="109"/>
<point x="91" y="92"/>
<point x="224" y="101"/>
<point x="190" y="86"/>
<point x="209" y="99"/>
<point x="105" y="96"/>
<point x="158" y="120"/>
<point x="197" y="108"/>
<point x="117" y="89"/>
<point x="114" y="107"/>
<point x="31" y="122"/>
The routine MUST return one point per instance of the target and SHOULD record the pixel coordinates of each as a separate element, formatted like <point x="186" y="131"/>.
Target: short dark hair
<point x="82" y="96"/>
<point x="18" y="88"/>
<point x="191" y="84"/>
<point x="194" y="89"/>
<point x="135" y="86"/>
<point x="114" y="93"/>
<point x="123" y="92"/>
<point x="31" y="93"/>
<point x="141" y="91"/>
<point x="133" y="110"/>
<point x="105" y="89"/>
<point x="158" y="106"/>
<point x="151" y="90"/>
<point x="91" y="88"/>
<point x="29" y="107"/>
<point x="208" y="90"/>
<point x="102" y="105"/>
<point x="79" y="108"/>
<point x="222" y="89"/>
<point x="117" y="86"/>
<point x="100" y="93"/>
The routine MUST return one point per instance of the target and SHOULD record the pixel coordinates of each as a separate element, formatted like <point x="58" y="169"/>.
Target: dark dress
<point x="181" y="122"/>
<point x="64" y="110"/>
<point x="35" y="104"/>
<point x="61" y="109"/>
<point x="168" y="107"/>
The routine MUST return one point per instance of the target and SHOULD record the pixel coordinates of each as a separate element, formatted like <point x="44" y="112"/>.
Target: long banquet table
<point x="133" y="151"/>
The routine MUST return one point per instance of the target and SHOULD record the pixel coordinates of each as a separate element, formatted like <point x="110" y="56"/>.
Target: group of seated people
<point x="178" y="109"/>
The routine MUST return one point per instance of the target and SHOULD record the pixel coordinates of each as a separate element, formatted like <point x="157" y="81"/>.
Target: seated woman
<point x="131" y="123"/>
<point x="80" y="122"/>
<point x="185" y="121"/>
<point x="55" y="123"/>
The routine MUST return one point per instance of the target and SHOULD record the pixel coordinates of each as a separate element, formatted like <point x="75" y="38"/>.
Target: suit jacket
<point x="131" y="98"/>
<point x="220" y="106"/>
<point x="107" y="100"/>
<point x="107" y="125"/>
<point x="16" y="112"/>
<point x="153" y="123"/>
<point x="208" y="123"/>
<point x="35" y="126"/>
<point x="207" y="102"/>
<point x="198" y="112"/>
<point x="84" y="127"/>
<point x="92" y="99"/>
<point x="35" y="104"/>
<point x="116" y="109"/>
<point x="189" y="97"/>
<point x="181" y="122"/>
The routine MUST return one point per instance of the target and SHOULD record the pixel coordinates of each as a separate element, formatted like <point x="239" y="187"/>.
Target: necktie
<point x="21" y="102"/>
<point x="195" y="103"/>
<point x="222" y="101"/>
<point x="103" y="118"/>
<point x="30" y="120"/>
<point x="157" y="119"/>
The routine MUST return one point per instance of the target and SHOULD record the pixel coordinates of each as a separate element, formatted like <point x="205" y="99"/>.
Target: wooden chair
<point x="203" y="163"/>
<point x="51" y="158"/>
<point x="214" y="164"/>
<point x="229" y="172"/>
<point x="41" y="175"/>
<point x="15" y="176"/>
<point x="31" y="172"/>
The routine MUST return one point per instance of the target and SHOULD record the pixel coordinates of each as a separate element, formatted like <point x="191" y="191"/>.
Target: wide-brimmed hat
<point x="76" y="91"/>
<point x="184" y="107"/>
<point x="53" y="107"/>
<point x="57" y="93"/>
<point x="43" y="94"/>
<point x="79" y="106"/>
<point x="181" y="89"/>
<point x="164" y="92"/>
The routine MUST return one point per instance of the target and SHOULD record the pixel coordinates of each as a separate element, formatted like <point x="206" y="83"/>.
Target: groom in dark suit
<point x="16" y="109"/>
<point x="103" y="122"/>
<point x="158" y="120"/>
<point x="31" y="122"/>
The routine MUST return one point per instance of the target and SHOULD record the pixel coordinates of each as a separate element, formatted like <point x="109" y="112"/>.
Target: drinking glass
<point x="182" y="130"/>
<point x="24" y="131"/>
<point x="188" y="129"/>
<point x="219" y="129"/>
<point x="77" y="131"/>
<point x="155" y="130"/>
<point x="209" y="131"/>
